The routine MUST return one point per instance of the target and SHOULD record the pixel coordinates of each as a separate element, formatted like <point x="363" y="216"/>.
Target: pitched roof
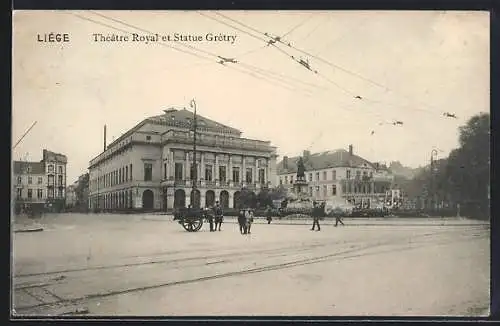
<point x="324" y="160"/>
<point x="53" y="156"/>
<point x="21" y="167"/>
<point x="180" y="119"/>
<point x="184" y="119"/>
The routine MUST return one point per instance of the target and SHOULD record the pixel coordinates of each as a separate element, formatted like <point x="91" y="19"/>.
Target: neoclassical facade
<point x="150" y="166"/>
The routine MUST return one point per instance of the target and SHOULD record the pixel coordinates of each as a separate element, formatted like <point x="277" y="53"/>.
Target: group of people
<point x="245" y="220"/>
<point x="215" y="217"/>
<point x="318" y="212"/>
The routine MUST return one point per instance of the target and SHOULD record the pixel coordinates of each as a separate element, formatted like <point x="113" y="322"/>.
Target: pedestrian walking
<point x="316" y="215"/>
<point x="209" y="214"/>
<point x="338" y="219"/>
<point x="269" y="215"/>
<point x="249" y="220"/>
<point x="219" y="216"/>
<point x="242" y="221"/>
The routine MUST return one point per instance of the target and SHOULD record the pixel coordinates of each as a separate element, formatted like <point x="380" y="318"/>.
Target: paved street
<point x="148" y="265"/>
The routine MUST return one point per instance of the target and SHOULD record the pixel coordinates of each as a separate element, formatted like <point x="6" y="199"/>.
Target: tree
<point x="465" y="176"/>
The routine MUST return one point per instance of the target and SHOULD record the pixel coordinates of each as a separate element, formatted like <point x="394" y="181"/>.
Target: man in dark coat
<point x="219" y="215"/>
<point x="242" y="221"/>
<point x="316" y="213"/>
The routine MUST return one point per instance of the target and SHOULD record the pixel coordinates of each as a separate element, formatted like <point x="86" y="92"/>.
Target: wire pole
<point x="195" y="168"/>
<point x="24" y="135"/>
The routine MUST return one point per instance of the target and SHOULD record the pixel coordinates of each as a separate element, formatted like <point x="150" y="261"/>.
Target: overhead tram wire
<point x="255" y="74"/>
<point x="266" y="41"/>
<point x="283" y="52"/>
<point x="386" y="88"/>
<point x="297" y="26"/>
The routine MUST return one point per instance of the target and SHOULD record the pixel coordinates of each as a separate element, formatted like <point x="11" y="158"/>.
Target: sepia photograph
<point x="250" y="163"/>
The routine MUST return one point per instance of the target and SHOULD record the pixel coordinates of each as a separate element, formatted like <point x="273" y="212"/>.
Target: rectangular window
<point x="60" y="180"/>
<point x="19" y="192"/>
<point x="116" y="177"/>
<point x="30" y="193"/>
<point x="236" y="174"/>
<point x="310" y="191"/>
<point x="120" y="176"/>
<point x="334" y="190"/>
<point x="281" y="181"/>
<point x="324" y="175"/>
<point x="51" y="168"/>
<point x="291" y="179"/>
<point x="358" y="175"/>
<point x="334" y="175"/>
<point x="39" y="180"/>
<point x="262" y="176"/>
<point x="317" y="176"/>
<point x="30" y="180"/>
<point x="222" y="174"/>
<point x="317" y="191"/>
<point x="310" y="177"/>
<point x="39" y="193"/>
<point x="126" y="173"/>
<point x="178" y="171"/>
<point x="164" y="171"/>
<point x="325" y="191"/>
<point x="19" y="180"/>
<point x="60" y="192"/>
<point x="148" y="171"/>
<point x="208" y="172"/>
<point x="286" y="179"/>
<point x="60" y="169"/>
<point x="51" y="180"/>
<point x="131" y="177"/>
<point x="249" y="175"/>
<point x="348" y="174"/>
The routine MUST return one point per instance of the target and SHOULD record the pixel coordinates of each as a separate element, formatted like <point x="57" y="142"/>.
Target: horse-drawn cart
<point x="191" y="219"/>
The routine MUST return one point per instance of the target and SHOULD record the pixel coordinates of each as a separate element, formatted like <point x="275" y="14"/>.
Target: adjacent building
<point x="71" y="195"/>
<point x="338" y="174"/>
<point x="40" y="183"/>
<point x="151" y="165"/>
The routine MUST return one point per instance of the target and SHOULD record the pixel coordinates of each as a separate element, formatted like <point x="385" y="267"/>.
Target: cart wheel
<point x="192" y="225"/>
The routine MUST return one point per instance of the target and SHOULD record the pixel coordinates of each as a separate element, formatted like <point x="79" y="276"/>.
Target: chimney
<point x="350" y="149"/>
<point x="104" y="138"/>
<point x="285" y="162"/>
<point x="306" y="154"/>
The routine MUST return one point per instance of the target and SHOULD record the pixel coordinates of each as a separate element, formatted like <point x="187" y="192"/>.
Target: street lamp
<point x="194" y="167"/>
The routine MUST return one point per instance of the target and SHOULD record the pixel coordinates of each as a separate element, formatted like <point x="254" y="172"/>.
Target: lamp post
<point x="195" y="165"/>
<point x="432" y="189"/>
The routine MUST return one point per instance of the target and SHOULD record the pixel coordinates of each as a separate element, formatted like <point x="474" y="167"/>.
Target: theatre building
<point x="150" y="166"/>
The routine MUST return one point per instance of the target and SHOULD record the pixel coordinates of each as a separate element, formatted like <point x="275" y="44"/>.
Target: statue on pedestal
<point x="301" y="169"/>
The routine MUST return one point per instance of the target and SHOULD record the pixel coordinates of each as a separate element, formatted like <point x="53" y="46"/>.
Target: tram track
<point x="279" y="251"/>
<point x="371" y="248"/>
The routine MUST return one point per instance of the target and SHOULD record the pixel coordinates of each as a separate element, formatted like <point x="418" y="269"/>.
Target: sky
<point x="368" y="69"/>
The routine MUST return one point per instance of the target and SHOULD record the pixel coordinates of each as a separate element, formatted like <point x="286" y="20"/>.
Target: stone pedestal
<point x="300" y="187"/>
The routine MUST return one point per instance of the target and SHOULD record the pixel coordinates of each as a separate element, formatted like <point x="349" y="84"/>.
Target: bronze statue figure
<point x="300" y="169"/>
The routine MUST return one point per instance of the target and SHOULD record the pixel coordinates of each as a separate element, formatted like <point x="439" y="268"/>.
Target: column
<point x="170" y="164"/>
<point x="266" y="166"/>
<point x="187" y="164"/>
<point x="202" y="166"/>
<point x="244" y="172"/>
<point x="216" y="174"/>
<point x="256" y="171"/>
<point x="230" y="167"/>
